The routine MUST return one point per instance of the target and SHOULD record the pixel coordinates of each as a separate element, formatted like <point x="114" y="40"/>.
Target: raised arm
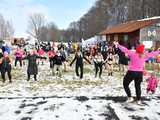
<point x="122" y="48"/>
<point x="152" y="54"/>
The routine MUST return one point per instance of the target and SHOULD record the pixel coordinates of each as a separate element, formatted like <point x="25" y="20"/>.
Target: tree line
<point x="40" y="29"/>
<point x="105" y="13"/>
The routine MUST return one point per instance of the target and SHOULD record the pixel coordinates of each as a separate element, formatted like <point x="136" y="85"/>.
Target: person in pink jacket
<point x="135" y="69"/>
<point x="18" y="55"/>
<point x="152" y="83"/>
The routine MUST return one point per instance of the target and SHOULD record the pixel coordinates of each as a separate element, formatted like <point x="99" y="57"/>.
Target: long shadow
<point x="119" y="98"/>
<point x="82" y="98"/>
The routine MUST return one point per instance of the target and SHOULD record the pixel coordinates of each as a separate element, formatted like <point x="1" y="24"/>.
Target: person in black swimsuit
<point x="98" y="62"/>
<point x="79" y="62"/>
<point x="110" y="60"/>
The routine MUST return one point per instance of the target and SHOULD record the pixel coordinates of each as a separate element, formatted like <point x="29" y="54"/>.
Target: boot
<point x="35" y="77"/>
<point x="4" y="81"/>
<point x="111" y="73"/>
<point x="10" y="81"/>
<point x="28" y="78"/>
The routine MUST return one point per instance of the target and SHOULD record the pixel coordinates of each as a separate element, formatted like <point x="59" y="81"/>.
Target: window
<point x="125" y="38"/>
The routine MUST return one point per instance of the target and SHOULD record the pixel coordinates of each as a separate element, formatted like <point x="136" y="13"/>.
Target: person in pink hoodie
<point x="135" y="69"/>
<point x="152" y="83"/>
<point x="18" y="55"/>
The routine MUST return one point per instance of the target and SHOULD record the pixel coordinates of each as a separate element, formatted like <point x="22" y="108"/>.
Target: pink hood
<point x="152" y="83"/>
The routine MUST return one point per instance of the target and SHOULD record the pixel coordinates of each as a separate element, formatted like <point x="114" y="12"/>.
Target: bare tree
<point x="53" y="32"/>
<point x="35" y="24"/>
<point x="6" y="28"/>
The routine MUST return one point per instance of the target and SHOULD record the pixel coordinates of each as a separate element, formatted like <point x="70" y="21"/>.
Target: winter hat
<point x="140" y="48"/>
<point x="5" y="54"/>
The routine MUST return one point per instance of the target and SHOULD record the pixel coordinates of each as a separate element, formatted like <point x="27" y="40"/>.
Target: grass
<point x="71" y="84"/>
<point x="33" y="88"/>
<point x="16" y="73"/>
<point x="87" y="70"/>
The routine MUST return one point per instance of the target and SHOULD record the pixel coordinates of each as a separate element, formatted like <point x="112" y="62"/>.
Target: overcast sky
<point x="61" y="12"/>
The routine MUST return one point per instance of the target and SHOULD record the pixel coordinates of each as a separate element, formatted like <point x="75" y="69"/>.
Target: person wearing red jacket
<point x="41" y="53"/>
<point x="51" y="55"/>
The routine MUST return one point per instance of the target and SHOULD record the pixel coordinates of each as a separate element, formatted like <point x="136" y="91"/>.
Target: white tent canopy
<point x="90" y="42"/>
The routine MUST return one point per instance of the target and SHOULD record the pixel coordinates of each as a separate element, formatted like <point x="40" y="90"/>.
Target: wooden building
<point x="133" y="32"/>
<point x="17" y="41"/>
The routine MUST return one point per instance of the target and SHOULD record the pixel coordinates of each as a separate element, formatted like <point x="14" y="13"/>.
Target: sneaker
<point x="130" y="100"/>
<point x="148" y="97"/>
<point x="139" y="102"/>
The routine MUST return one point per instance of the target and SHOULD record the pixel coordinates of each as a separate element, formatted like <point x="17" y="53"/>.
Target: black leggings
<point x="81" y="70"/>
<point x="137" y="77"/>
<point x="98" y="67"/>
<point x="20" y="61"/>
<point x="3" y="75"/>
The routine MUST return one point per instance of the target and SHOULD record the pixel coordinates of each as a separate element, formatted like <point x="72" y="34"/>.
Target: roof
<point x="151" y="18"/>
<point x="130" y="26"/>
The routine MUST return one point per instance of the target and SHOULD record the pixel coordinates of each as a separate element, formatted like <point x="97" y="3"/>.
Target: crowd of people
<point x="101" y="56"/>
<point x="58" y="57"/>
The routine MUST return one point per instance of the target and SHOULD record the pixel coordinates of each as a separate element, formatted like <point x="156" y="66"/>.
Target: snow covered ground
<point x="69" y="98"/>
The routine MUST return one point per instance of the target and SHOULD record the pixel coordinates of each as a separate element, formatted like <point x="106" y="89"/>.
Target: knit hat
<point x="140" y="48"/>
<point x="5" y="54"/>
